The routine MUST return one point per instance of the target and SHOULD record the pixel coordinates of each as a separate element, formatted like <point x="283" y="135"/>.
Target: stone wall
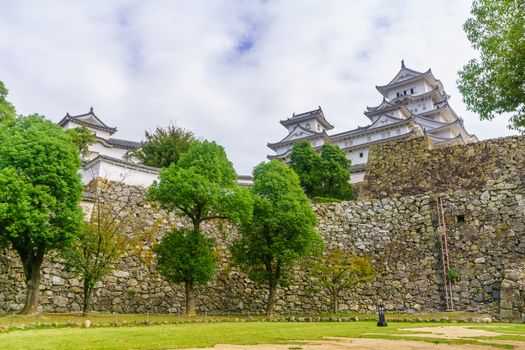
<point x="485" y="225"/>
<point x="512" y="304"/>
<point x="413" y="167"/>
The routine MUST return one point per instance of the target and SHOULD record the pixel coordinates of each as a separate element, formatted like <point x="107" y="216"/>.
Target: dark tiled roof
<point x="88" y="196"/>
<point x="123" y="143"/>
<point x="357" y="168"/>
<point x="88" y="119"/>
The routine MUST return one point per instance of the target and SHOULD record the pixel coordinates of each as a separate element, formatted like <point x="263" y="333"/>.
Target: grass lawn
<point x="8" y="320"/>
<point x="208" y="334"/>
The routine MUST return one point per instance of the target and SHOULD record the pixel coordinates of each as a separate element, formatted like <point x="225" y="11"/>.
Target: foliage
<point x="326" y="200"/>
<point x="305" y="162"/>
<point x="185" y="255"/>
<point x="453" y="274"/>
<point x="40" y="190"/>
<point x="334" y="178"/>
<point x="109" y="233"/>
<point x="82" y="137"/>
<point x="337" y="271"/>
<point x="7" y="110"/>
<point x="202" y="186"/>
<point x="495" y="83"/>
<point x="324" y="175"/>
<point x="281" y="233"/>
<point x="164" y="146"/>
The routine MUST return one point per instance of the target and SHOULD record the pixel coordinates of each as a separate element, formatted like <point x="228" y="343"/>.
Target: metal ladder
<point x="442" y="232"/>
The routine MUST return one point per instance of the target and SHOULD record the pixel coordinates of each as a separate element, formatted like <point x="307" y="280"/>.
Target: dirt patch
<point x="449" y="332"/>
<point x="353" y="344"/>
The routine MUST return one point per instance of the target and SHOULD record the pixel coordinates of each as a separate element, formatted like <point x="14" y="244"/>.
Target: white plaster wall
<point x="99" y="148"/>
<point x="357" y="177"/>
<point x="419" y="86"/>
<point x="447" y="134"/>
<point x="119" y="173"/>
<point x="355" y="158"/>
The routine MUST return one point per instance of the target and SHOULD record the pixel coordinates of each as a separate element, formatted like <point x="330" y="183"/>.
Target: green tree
<point x="306" y="163"/>
<point x="337" y="271"/>
<point x="281" y="233"/>
<point x="40" y="191"/>
<point x="164" y="146"/>
<point x="333" y="178"/>
<point x="186" y="256"/>
<point x="109" y="233"/>
<point x="324" y="175"/>
<point x="7" y="110"/>
<point x="202" y="186"/>
<point x="495" y="83"/>
<point x="82" y="137"/>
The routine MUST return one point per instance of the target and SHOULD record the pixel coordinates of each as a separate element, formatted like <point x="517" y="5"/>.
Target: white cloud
<point x="228" y="70"/>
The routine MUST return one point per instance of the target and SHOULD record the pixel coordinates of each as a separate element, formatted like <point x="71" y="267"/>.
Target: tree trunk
<point x="190" y="299"/>
<point x="88" y="290"/>
<point x="272" y="296"/>
<point x="32" y="264"/>
<point x="335" y="303"/>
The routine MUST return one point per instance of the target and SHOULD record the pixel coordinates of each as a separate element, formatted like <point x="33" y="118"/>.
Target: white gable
<point x="383" y="120"/>
<point x="404" y="74"/>
<point x="298" y="133"/>
<point x="91" y="119"/>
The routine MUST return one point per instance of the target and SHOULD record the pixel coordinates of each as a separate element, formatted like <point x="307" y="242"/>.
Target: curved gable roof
<point x="89" y="120"/>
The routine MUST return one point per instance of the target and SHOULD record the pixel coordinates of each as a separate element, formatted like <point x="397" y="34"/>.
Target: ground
<point x="217" y="334"/>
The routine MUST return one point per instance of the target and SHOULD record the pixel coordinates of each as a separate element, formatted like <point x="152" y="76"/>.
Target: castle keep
<point x="481" y="187"/>
<point x="414" y="103"/>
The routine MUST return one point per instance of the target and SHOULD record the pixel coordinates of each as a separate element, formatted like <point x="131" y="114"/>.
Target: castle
<point x="109" y="157"/>
<point x="414" y="103"/>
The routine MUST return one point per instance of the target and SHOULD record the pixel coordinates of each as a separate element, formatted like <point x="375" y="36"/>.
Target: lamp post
<point x="381" y="314"/>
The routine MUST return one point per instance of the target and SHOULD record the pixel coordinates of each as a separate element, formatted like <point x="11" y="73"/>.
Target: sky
<point x="227" y="70"/>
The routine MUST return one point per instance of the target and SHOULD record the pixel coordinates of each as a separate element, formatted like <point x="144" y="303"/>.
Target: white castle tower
<point x="413" y="103"/>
